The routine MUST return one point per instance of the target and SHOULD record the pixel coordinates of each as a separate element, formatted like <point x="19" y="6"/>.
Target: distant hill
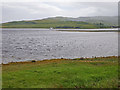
<point x="66" y="22"/>
<point x="107" y="20"/>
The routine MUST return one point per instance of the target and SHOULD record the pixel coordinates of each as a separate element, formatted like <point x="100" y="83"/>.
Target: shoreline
<point x="89" y="30"/>
<point x="69" y="30"/>
<point x="83" y="59"/>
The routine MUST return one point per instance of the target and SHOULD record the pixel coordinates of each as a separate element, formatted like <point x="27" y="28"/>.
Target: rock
<point x="33" y="61"/>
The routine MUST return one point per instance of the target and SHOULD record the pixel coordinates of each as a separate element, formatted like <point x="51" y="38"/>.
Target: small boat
<point x="51" y="28"/>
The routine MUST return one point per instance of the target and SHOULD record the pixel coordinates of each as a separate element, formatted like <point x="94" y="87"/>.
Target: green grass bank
<point x="101" y="72"/>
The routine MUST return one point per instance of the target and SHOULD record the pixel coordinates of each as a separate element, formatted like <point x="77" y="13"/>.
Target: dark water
<point x="21" y="45"/>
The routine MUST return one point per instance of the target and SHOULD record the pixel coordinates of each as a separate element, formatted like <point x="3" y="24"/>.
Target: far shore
<point x="69" y="30"/>
<point x="90" y="31"/>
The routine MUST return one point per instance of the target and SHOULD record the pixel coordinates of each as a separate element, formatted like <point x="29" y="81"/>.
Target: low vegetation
<point x="95" y="72"/>
<point x="56" y="22"/>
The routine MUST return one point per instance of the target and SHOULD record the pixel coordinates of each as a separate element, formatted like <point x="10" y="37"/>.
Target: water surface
<point x="35" y="44"/>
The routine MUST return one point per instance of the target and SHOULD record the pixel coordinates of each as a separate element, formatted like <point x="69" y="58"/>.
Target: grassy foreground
<point x="62" y="73"/>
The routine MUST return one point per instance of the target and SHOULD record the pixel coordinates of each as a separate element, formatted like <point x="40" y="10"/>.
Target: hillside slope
<point x="65" y="22"/>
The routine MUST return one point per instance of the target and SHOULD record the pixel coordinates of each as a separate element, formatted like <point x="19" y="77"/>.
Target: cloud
<point x="22" y="11"/>
<point x="13" y="11"/>
<point x="60" y="0"/>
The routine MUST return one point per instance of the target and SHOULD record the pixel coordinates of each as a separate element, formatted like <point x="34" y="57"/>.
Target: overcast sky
<point x="14" y="11"/>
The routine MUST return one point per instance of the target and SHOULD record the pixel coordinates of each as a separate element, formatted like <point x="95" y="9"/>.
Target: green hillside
<point x="106" y="20"/>
<point x="59" y="22"/>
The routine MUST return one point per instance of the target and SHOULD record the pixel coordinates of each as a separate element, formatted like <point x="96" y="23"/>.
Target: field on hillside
<point x="99" y="72"/>
<point x="55" y="23"/>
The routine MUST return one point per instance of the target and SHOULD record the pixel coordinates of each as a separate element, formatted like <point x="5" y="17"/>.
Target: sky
<point x="32" y="10"/>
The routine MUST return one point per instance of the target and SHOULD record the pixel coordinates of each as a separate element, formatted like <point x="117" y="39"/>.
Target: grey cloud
<point x="27" y="11"/>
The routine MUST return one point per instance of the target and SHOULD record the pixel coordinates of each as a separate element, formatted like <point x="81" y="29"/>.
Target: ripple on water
<point x="39" y="45"/>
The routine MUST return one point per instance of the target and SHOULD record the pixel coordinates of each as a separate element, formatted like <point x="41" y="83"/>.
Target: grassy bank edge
<point x="97" y="72"/>
<point x="82" y="59"/>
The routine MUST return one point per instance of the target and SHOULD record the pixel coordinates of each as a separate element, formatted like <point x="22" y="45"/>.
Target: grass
<point x="55" y="23"/>
<point x="99" y="72"/>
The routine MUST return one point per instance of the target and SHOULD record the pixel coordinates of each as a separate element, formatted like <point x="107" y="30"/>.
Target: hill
<point x="66" y="22"/>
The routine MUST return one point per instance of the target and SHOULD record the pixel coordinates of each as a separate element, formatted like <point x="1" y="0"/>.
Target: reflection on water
<point x="18" y="45"/>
